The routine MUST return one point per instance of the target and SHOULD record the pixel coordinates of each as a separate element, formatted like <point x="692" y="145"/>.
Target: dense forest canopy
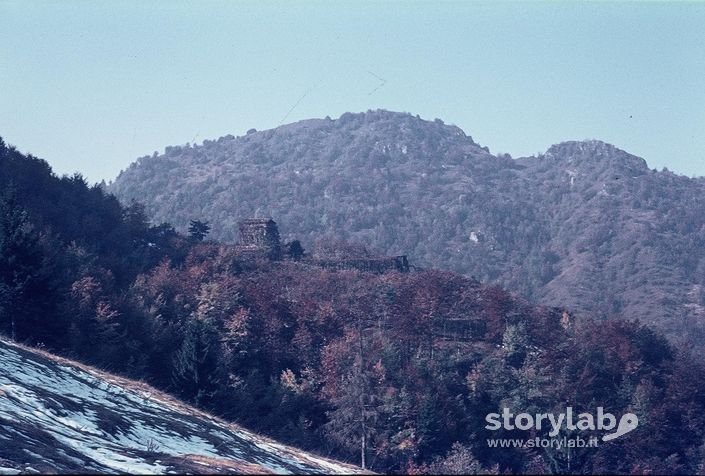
<point x="584" y="225"/>
<point x="395" y="369"/>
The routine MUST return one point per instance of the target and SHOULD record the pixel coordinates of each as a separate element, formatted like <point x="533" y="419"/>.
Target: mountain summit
<point x="585" y="225"/>
<point x="595" y="153"/>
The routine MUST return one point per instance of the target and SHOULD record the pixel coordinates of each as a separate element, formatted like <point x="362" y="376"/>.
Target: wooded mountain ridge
<point x="584" y="225"/>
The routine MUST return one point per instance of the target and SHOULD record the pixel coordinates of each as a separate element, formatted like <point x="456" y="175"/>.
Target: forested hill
<point x="585" y="225"/>
<point x="401" y="367"/>
<point x="55" y="231"/>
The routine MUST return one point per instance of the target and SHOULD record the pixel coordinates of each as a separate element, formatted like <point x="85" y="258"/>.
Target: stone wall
<point x="372" y="265"/>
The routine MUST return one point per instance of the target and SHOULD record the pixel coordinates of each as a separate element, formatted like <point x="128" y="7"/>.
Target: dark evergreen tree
<point x="20" y="268"/>
<point x="429" y="428"/>
<point x="195" y="366"/>
<point x="198" y="230"/>
<point x="294" y="250"/>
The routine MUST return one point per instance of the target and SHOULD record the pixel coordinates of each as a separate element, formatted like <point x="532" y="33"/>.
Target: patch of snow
<point x="117" y="461"/>
<point x="33" y="454"/>
<point x="115" y="427"/>
<point x="76" y="461"/>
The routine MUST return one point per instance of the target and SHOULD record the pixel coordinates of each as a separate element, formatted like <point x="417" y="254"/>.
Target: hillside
<point x="584" y="225"/>
<point x="395" y="370"/>
<point x="58" y="416"/>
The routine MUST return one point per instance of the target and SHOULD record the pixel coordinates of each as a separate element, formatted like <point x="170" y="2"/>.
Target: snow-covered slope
<point x="59" y="416"/>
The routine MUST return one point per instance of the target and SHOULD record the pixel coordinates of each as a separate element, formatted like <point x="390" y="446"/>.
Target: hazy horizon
<point x="91" y="87"/>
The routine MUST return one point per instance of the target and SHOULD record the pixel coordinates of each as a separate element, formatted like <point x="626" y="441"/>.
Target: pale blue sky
<point x="90" y="86"/>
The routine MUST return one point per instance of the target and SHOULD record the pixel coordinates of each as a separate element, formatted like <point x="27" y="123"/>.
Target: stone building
<point x="260" y="237"/>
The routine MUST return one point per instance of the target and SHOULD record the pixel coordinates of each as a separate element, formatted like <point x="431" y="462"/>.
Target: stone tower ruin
<point x="260" y="237"/>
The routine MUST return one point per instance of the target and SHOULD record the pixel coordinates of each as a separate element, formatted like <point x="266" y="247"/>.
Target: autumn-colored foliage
<point x="396" y="370"/>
